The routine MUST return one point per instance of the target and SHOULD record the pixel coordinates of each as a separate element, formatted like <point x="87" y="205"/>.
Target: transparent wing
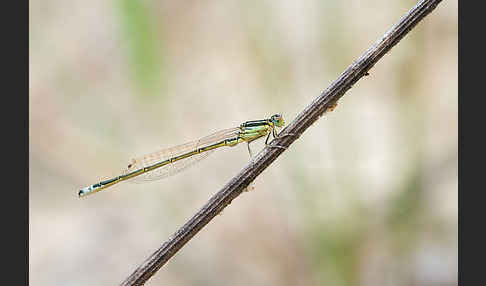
<point x="180" y="165"/>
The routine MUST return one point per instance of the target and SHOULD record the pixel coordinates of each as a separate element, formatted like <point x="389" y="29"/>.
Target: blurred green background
<point x="366" y="196"/>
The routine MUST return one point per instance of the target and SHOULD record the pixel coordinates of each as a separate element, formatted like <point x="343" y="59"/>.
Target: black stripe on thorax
<point x="254" y="123"/>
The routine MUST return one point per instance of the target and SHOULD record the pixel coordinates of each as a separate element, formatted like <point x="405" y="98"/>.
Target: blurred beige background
<point x="367" y="196"/>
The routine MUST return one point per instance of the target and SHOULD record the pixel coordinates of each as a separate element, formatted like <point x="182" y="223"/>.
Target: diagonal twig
<point x="260" y="162"/>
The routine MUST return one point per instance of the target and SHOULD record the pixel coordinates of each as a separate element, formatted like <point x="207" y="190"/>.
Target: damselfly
<point x="170" y="161"/>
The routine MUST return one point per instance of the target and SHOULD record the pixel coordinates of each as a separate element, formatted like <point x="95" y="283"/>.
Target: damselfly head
<point x="278" y="120"/>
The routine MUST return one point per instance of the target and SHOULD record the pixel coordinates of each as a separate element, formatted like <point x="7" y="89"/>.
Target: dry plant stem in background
<point x="327" y="100"/>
